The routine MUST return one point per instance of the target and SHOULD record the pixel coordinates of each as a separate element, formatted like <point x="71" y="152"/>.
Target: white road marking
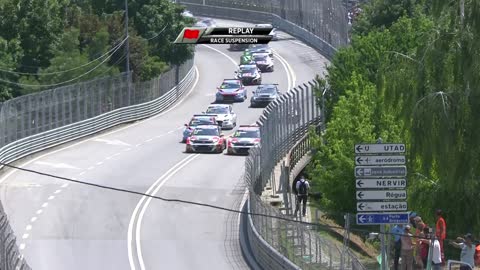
<point x="65" y="185"/>
<point x="137" y="145"/>
<point x="33" y="219"/>
<point x="149" y="140"/>
<point x="112" y="142"/>
<point x="58" y="191"/>
<point x="91" y="168"/>
<point x="291" y="77"/>
<point x="57" y="165"/>
<point x="171" y="131"/>
<point x="51" y="198"/>
<point x="44" y="205"/>
<point x="210" y="95"/>
<point x="100" y="163"/>
<point x="158" y="183"/>
<point x="197" y="78"/>
<point x="29" y="227"/>
<point x="182" y="127"/>
<point x="108" y="158"/>
<point x="159" y="136"/>
<point x="22" y="246"/>
<point x="39" y="211"/>
<point x="222" y="53"/>
<point x="25" y="236"/>
<point x="128" y="149"/>
<point x="82" y="173"/>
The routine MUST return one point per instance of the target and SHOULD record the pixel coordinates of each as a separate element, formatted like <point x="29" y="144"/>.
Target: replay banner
<point x="224" y="35"/>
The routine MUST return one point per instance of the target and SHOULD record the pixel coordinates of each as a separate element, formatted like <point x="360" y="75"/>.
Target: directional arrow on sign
<point x="362" y="219"/>
<point x="359" y="148"/>
<point x="360" y="195"/>
<point x="360" y="183"/>
<point x="361" y="206"/>
<point x="361" y="160"/>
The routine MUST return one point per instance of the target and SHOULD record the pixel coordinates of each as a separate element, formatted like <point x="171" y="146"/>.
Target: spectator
<point x="468" y="251"/>
<point x="436" y="255"/>
<point x="441" y="232"/>
<point x="302" y="188"/>
<point x="424" y="244"/>
<point x="413" y="215"/>
<point x="407" y="249"/>
<point x="397" y="232"/>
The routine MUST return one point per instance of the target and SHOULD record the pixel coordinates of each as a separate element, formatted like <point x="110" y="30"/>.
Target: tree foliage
<point x="56" y="42"/>
<point x="411" y="74"/>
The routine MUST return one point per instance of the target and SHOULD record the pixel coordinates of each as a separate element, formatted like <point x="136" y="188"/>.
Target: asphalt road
<point x="72" y="226"/>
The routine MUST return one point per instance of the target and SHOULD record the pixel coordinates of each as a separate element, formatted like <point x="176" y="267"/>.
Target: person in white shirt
<point x="436" y="255"/>
<point x="468" y="251"/>
<point x="302" y="188"/>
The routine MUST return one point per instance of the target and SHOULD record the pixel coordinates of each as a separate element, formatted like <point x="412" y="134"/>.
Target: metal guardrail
<point x="156" y="98"/>
<point x="322" y="24"/>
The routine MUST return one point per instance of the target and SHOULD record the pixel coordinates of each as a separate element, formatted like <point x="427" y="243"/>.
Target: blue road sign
<point x="382" y="218"/>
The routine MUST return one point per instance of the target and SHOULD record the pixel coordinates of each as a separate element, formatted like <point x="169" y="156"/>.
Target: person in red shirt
<point x="441" y="232"/>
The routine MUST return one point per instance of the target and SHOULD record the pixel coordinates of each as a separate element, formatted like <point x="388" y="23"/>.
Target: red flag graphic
<point x="191" y="34"/>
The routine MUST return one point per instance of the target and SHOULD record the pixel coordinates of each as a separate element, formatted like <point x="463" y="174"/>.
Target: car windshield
<point x="248" y="70"/>
<point x="267" y="90"/>
<point x="206" y="132"/>
<point x="231" y="84"/>
<point x="200" y="121"/>
<point x="217" y="110"/>
<point x="260" y="57"/>
<point x="247" y="134"/>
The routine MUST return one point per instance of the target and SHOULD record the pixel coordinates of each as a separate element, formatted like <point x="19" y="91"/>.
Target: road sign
<point x="377" y="171"/>
<point x="379" y="148"/>
<point x="382" y="218"/>
<point x="380" y="160"/>
<point x="365" y="195"/>
<point x="381" y="183"/>
<point x="382" y="206"/>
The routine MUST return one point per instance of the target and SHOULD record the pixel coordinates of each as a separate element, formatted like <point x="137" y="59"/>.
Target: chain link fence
<point x="284" y="127"/>
<point x="10" y="257"/>
<point x="46" y="110"/>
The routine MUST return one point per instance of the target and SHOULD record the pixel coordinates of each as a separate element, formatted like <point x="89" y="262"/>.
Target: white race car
<point x="264" y="62"/>
<point x="224" y="115"/>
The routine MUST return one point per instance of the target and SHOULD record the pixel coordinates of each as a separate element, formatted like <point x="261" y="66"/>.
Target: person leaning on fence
<point x="407" y="249"/>
<point x="468" y="251"/>
<point x="397" y="232"/>
<point x="301" y="190"/>
<point x="441" y="231"/>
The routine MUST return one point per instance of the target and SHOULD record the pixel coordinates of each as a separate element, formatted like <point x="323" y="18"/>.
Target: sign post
<point x="380" y="180"/>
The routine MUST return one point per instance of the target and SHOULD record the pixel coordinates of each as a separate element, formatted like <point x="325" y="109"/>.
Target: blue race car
<point x="231" y="90"/>
<point x="198" y="119"/>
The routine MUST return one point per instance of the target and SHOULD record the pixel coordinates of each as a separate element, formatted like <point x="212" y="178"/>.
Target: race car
<point x="205" y="138"/>
<point x="206" y="22"/>
<point x="224" y="115"/>
<point x="238" y="47"/>
<point x="249" y="74"/>
<point x="198" y="119"/>
<point x="231" y="90"/>
<point x="263" y="62"/>
<point x="261" y="48"/>
<point x="273" y="33"/>
<point x="246" y="137"/>
<point x="264" y="94"/>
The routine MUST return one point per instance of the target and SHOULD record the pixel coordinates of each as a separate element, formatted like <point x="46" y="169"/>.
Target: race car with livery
<point x="231" y="90"/>
<point x="261" y="48"/>
<point x="264" y="62"/>
<point x="249" y="74"/>
<point x="206" y="138"/>
<point x="197" y="120"/>
<point x="224" y="115"/>
<point x="264" y="94"/>
<point x="245" y="138"/>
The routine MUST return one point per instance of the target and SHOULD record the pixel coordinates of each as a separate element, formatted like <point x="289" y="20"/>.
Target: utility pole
<point x="127" y="48"/>
<point x="346" y="240"/>
<point x="382" y="236"/>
